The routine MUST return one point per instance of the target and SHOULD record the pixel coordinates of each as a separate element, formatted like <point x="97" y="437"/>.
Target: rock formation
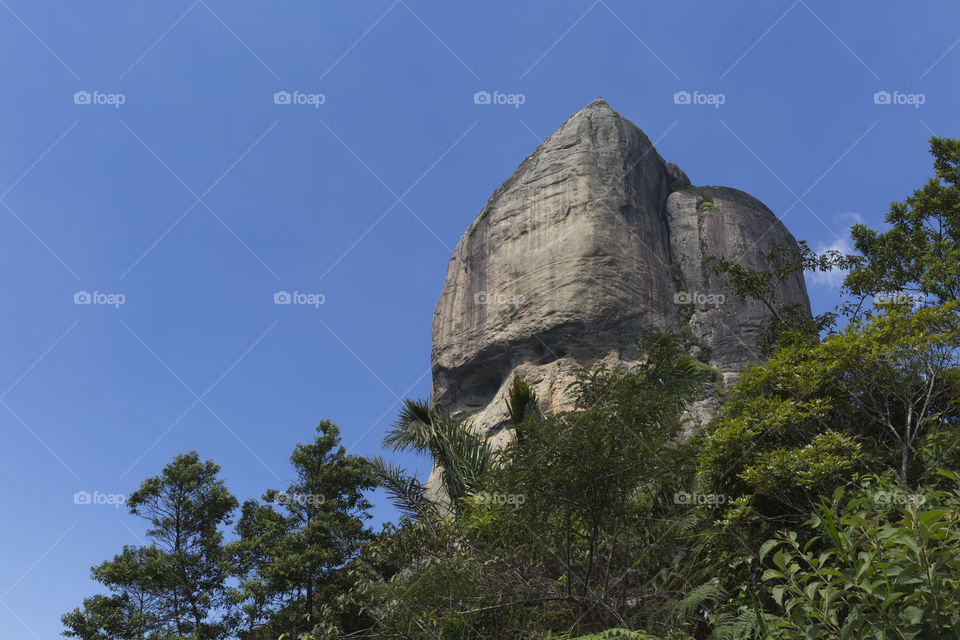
<point x="594" y="242"/>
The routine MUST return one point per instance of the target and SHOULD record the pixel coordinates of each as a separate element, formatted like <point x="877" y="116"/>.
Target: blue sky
<point x="189" y="205"/>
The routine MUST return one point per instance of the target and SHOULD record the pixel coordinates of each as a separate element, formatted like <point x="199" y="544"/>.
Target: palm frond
<point x="406" y="493"/>
<point x="413" y="429"/>
<point x="414" y="411"/>
<point x="463" y="457"/>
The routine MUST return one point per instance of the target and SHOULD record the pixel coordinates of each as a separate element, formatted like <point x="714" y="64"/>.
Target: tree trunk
<point x="904" y="457"/>
<point x="176" y="611"/>
<point x="309" y="601"/>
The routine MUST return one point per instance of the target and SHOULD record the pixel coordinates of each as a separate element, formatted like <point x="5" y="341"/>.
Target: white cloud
<point x="833" y="279"/>
<point x="848" y="219"/>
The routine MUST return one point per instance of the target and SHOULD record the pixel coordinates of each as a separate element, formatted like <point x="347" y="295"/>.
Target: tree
<point x="292" y="551"/>
<point x="598" y="483"/>
<point x="176" y="586"/>
<point x="571" y="525"/>
<point x="901" y="373"/>
<point x="880" y="394"/>
<point x="114" y="617"/>
<point x="786" y="321"/>
<point x="463" y="457"/>
<point x="815" y="414"/>
<point x="920" y="253"/>
<point x="261" y="530"/>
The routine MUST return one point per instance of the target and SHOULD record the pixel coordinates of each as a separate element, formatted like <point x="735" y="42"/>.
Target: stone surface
<point x="591" y="244"/>
<point x="726" y="223"/>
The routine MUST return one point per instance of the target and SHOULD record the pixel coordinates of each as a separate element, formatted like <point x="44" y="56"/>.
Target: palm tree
<point x="461" y="455"/>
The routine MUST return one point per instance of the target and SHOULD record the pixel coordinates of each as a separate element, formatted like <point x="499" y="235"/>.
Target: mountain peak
<point x="599" y="103"/>
<point x="598" y="108"/>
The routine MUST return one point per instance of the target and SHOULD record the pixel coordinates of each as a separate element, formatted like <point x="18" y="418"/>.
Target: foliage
<point x="175" y="586"/>
<point x="612" y="634"/>
<point x="289" y="557"/>
<point x="461" y="455"/>
<point x="811" y="417"/>
<point x="787" y="322"/>
<point x="522" y="403"/>
<point x="886" y="570"/>
<point x="920" y="253"/>
<point x="287" y="571"/>
<point x="578" y="517"/>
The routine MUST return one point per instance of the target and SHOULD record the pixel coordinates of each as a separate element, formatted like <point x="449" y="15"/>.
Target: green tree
<point x="814" y="414"/>
<point x="879" y="394"/>
<point x="901" y="374"/>
<point x="292" y="552"/>
<point x="176" y="587"/>
<point x="786" y="321"/>
<point x="116" y="617"/>
<point x="573" y="524"/>
<point x="920" y="253"/>
<point x="599" y="483"/>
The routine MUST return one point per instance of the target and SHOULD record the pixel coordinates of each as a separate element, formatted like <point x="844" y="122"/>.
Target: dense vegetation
<point x="822" y="501"/>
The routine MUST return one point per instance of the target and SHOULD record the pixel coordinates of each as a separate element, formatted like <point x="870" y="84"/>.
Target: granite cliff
<point x="594" y="242"/>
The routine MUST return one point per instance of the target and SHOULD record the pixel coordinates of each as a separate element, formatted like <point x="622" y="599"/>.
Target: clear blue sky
<point x="199" y="198"/>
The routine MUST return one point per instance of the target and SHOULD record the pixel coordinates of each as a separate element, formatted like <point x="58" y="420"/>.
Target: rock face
<point x="594" y="242"/>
